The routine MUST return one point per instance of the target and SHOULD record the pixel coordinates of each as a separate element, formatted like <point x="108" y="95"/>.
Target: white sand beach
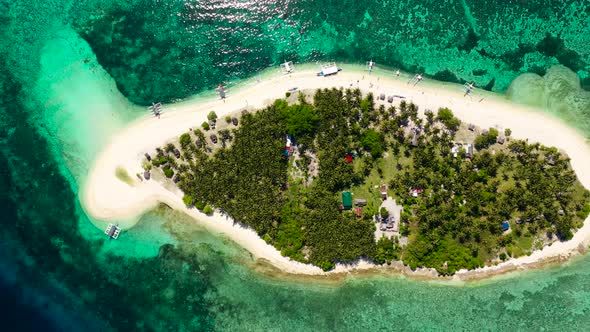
<point x="107" y="198"/>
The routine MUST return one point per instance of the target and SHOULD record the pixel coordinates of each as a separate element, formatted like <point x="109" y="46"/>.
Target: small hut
<point x="213" y="138"/>
<point x="383" y="191"/>
<point x="199" y="143"/>
<point x="471" y="127"/>
<point x="146" y="174"/>
<point x="176" y="179"/>
<point x="455" y="150"/>
<point x="148" y="157"/>
<point x="360" y="202"/>
<point x="234" y="121"/>
<point x="176" y="153"/>
<point x="469" y="151"/>
<point x="500" y="139"/>
<point x="485" y="132"/>
<point x="348" y="158"/>
<point x="390" y="99"/>
<point x="414" y="141"/>
<point x="415" y="192"/>
<point x="346" y="200"/>
<point x="505" y="225"/>
<point x="382" y="96"/>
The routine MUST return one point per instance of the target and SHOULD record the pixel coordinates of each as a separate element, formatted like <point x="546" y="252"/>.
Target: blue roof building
<point x="505" y="225"/>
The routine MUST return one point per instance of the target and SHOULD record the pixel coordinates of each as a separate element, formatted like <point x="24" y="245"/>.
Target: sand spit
<point x="107" y="198"/>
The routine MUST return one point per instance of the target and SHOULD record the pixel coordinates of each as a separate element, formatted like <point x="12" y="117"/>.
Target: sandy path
<point x="104" y="197"/>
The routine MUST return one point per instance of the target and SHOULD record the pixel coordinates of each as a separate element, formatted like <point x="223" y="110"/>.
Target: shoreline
<point x="105" y="197"/>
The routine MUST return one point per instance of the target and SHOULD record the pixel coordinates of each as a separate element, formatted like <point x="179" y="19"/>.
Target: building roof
<point x="360" y="202"/>
<point x="415" y="139"/>
<point x="506" y="225"/>
<point x="346" y="200"/>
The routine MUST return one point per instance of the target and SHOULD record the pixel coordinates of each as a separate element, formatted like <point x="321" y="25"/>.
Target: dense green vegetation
<point x="293" y="202"/>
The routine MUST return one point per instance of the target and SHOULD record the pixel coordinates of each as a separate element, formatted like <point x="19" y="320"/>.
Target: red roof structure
<point x="348" y="158"/>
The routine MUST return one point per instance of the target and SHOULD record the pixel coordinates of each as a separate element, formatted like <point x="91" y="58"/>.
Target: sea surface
<point x="73" y="72"/>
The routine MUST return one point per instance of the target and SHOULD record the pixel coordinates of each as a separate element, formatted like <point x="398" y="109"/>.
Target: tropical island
<point x="332" y="176"/>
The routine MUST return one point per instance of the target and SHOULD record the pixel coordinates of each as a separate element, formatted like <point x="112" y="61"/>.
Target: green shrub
<point x="212" y="116"/>
<point x="446" y="117"/>
<point x="300" y="119"/>
<point x="326" y="265"/>
<point x="188" y="200"/>
<point x="185" y="140"/>
<point x="168" y="172"/>
<point x="507" y="132"/>
<point x="205" y="126"/>
<point x="200" y="205"/>
<point x="208" y="209"/>
<point x="484" y="141"/>
<point x="228" y="119"/>
<point x="159" y="161"/>
<point x="373" y="142"/>
<point x="288" y="94"/>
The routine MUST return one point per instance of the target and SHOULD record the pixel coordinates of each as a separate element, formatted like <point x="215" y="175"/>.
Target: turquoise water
<point x="73" y="71"/>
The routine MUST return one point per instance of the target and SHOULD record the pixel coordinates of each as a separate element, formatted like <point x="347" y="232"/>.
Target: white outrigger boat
<point x="328" y="69"/>
<point x="112" y="231"/>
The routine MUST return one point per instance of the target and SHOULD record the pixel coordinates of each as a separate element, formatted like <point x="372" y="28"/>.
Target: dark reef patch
<point x="44" y="224"/>
<point x="479" y="72"/>
<point x="515" y="59"/>
<point x="446" y="76"/>
<point x="470" y="42"/>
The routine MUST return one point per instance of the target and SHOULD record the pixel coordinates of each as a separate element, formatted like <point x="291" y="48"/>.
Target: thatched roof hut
<point x="213" y="138"/>
<point x="146" y="174"/>
<point x="148" y="157"/>
<point x="234" y="121"/>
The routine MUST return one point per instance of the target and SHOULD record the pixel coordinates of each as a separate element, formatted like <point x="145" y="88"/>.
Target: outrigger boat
<point x="329" y="69"/>
<point x="112" y="231"/>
